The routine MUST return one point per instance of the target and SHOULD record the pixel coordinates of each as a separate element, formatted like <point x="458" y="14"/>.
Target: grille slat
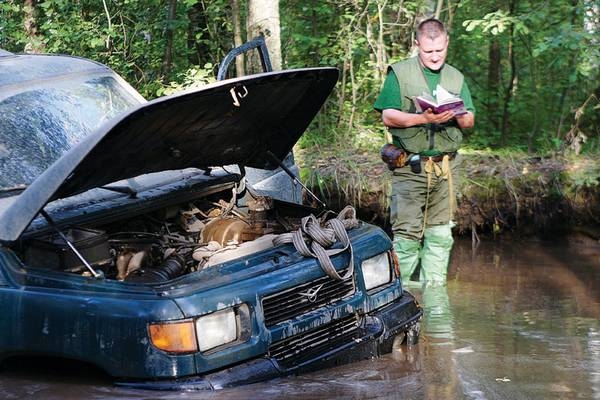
<point x="296" y="301"/>
<point x="304" y="346"/>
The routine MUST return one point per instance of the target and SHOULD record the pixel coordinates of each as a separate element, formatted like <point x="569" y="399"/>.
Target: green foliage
<point x="496" y="23"/>
<point x="556" y="60"/>
<point x="128" y="35"/>
<point x="554" y="45"/>
<point x="190" y="79"/>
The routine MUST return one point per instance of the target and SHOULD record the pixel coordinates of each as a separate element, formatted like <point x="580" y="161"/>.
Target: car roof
<point x="21" y="68"/>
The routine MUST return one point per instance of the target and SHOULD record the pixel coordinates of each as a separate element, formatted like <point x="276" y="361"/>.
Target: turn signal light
<point x="174" y="337"/>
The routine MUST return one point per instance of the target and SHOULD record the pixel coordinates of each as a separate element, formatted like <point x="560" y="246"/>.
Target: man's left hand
<point x="466" y="121"/>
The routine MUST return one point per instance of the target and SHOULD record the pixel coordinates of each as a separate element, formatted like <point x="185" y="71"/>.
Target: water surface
<point x="515" y="321"/>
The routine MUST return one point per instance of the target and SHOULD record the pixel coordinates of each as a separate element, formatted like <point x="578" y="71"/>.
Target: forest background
<point x="532" y="66"/>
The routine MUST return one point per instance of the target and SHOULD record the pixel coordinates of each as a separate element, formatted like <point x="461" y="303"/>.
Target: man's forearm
<point x="393" y="118"/>
<point x="399" y="119"/>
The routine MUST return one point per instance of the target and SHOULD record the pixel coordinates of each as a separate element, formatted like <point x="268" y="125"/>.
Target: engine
<point x="163" y="245"/>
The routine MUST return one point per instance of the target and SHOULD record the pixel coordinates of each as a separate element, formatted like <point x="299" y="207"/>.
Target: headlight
<point x="209" y="331"/>
<point x="228" y="326"/>
<point x="216" y="329"/>
<point x="376" y="271"/>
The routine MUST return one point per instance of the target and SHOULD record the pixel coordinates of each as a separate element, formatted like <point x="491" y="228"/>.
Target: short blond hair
<point x="431" y="28"/>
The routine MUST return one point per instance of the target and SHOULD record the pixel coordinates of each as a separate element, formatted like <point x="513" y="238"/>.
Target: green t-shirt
<point x="390" y="96"/>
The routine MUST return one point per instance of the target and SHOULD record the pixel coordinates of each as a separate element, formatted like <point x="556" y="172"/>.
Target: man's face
<point x="432" y="52"/>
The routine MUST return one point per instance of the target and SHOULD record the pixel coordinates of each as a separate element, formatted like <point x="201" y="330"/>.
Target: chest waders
<point x="427" y="140"/>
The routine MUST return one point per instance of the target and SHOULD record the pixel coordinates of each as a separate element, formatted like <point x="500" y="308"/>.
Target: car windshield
<point x="41" y="122"/>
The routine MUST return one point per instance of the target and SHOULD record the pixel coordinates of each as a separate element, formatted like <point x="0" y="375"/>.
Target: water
<point x="515" y="321"/>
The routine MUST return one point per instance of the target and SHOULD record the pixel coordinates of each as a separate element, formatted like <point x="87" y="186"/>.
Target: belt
<point x="396" y="157"/>
<point x="439" y="157"/>
<point x="424" y="158"/>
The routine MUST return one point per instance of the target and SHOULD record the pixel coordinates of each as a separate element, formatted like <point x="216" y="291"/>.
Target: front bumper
<point x="377" y="333"/>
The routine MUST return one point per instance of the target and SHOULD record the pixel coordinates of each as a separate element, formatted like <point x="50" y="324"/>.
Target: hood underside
<point x="237" y="121"/>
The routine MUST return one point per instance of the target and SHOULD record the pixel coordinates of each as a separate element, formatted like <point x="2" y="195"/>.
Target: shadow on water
<point x="517" y="320"/>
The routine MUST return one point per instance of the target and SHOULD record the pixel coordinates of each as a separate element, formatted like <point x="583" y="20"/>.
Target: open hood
<point x="236" y="121"/>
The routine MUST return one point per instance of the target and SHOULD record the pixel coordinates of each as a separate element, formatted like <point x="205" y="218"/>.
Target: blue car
<point x="132" y="239"/>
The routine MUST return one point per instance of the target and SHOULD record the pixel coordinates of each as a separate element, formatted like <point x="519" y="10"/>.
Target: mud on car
<point x="133" y="239"/>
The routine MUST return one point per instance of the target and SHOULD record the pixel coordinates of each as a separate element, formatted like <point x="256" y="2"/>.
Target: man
<point x="422" y="200"/>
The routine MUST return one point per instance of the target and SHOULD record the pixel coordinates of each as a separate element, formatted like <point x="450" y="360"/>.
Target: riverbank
<point x="500" y="194"/>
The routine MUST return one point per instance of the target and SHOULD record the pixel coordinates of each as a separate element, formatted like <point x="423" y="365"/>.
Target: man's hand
<point x="442" y="118"/>
<point x="393" y="118"/>
<point x="466" y="121"/>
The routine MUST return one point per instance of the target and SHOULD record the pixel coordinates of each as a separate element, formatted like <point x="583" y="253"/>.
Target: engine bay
<point x="163" y="244"/>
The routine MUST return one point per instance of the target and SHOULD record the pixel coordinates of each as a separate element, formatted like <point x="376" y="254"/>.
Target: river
<point x="517" y="320"/>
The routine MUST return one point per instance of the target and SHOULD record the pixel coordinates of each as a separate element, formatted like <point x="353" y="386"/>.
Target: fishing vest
<point x="425" y="138"/>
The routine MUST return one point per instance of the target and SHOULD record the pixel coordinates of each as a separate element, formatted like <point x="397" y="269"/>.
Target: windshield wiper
<point x="10" y="190"/>
<point x="121" y="189"/>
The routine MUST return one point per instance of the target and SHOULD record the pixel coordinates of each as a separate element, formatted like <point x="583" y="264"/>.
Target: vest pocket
<point x="448" y="140"/>
<point x="413" y="140"/>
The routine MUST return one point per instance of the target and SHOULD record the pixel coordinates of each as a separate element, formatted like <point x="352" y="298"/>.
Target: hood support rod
<point x="294" y="178"/>
<point x="71" y="245"/>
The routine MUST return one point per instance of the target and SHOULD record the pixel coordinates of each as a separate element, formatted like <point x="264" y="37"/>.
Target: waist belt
<point x="439" y="157"/>
<point x="396" y="157"/>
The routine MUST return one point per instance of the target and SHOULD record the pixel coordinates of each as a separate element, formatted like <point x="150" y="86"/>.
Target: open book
<point x="446" y="101"/>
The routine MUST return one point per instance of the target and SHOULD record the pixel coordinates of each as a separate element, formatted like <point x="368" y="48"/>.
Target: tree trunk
<point x="438" y="9"/>
<point x="168" y="56"/>
<point x="314" y="31"/>
<point x="237" y="37"/>
<point x="263" y="19"/>
<point x="196" y="35"/>
<point x="34" y="44"/>
<point x="567" y="89"/>
<point x="508" y="94"/>
<point x="494" y="78"/>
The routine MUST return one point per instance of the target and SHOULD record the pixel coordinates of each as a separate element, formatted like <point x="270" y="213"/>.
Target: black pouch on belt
<point x="415" y="163"/>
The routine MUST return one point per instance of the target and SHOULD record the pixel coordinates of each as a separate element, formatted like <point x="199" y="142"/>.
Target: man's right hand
<point x="442" y="118"/>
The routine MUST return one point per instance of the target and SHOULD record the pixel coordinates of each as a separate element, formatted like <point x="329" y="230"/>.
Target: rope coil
<point x="315" y="236"/>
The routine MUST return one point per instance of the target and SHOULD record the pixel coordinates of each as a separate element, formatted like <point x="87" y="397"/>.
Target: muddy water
<point x="516" y="321"/>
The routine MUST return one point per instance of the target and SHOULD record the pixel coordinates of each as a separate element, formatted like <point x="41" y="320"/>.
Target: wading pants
<point x="421" y="214"/>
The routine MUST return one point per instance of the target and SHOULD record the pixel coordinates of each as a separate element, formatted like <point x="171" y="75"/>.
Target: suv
<point x="131" y="239"/>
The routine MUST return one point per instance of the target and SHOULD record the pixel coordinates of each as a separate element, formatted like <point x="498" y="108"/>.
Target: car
<point x="131" y="238"/>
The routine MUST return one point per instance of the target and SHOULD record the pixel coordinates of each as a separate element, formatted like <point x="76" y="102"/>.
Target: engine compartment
<point x="164" y="244"/>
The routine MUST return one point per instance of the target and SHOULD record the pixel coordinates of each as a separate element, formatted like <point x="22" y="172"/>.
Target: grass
<point x="500" y="192"/>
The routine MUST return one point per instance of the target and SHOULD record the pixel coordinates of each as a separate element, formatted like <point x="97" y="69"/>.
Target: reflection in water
<point x="594" y="349"/>
<point x="437" y="314"/>
<point x="515" y="321"/>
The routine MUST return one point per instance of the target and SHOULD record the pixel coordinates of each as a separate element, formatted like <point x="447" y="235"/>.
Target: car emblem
<point x="311" y="294"/>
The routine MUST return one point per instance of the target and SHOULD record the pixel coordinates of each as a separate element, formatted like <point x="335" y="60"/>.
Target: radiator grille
<point x="301" y="299"/>
<point x="307" y="345"/>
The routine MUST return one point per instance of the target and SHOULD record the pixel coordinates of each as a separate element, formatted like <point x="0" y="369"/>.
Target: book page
<point x="444" y="96"/>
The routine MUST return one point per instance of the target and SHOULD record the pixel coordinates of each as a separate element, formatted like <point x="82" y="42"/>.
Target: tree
<point x="237" y="36"/>
<point x="263" y="19"/>
<point x="34" y="44"/>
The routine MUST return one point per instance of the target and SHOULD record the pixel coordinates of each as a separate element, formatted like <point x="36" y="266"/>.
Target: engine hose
<point x="316" y="235"/>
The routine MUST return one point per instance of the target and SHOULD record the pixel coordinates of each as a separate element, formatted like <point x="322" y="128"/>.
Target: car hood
<point x="235" y="121"/>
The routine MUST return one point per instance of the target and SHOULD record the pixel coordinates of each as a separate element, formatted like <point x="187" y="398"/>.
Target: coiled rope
<point x="315" y="236"/>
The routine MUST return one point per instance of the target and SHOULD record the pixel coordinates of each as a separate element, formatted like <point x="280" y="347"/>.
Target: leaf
<point x="471" y="24"/>
<point x="97" y="42"/>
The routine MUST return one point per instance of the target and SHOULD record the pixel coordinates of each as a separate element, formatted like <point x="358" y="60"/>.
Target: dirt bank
<point x="499" y="194"/>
